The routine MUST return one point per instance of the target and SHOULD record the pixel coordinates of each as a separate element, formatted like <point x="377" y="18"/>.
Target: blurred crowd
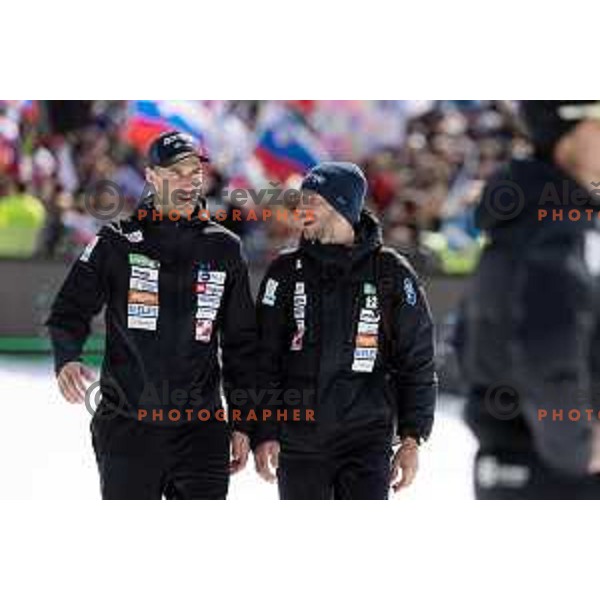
<point x="425" y="162"/>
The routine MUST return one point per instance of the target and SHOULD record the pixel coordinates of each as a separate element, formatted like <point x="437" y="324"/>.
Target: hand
<point x="594" y="466"/>
<point x="72" y="381"/>
<point x="240" y="448"/>
<point x="266" y="460"/>
<point x="407" y="460"/>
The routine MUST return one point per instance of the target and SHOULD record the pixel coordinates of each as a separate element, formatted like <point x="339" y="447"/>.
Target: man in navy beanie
<point x="345" y="352"/>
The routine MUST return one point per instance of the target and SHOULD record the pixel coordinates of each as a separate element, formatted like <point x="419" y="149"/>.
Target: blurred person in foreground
<point x="346" y="340"/>
<point x="530" y="337"/>
<point x="178" y="305"/>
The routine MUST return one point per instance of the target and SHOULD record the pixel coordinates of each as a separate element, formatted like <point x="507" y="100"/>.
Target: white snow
<point x="47" y="454"/>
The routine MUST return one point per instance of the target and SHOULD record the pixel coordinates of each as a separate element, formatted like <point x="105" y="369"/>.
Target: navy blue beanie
<point x="342" y="184"/>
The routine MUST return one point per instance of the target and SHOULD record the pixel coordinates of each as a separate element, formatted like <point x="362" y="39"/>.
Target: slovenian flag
<point x="149" y="118"/>
<point x="285" y="146"/>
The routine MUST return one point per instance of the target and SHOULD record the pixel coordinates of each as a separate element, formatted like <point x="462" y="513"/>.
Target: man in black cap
<point x="530" y="340"/>
<point x="175" y="288"/>
<point x="346" y="353"/>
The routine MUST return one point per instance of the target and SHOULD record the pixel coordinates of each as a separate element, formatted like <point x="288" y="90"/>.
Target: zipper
<point x="356" y="302"/>
<point x="179" y="264"/>
<point x="318" y="298"/>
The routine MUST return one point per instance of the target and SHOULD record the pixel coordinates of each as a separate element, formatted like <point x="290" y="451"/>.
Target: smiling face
<point x="320" y="221"/>
<point x="179" y="186"/>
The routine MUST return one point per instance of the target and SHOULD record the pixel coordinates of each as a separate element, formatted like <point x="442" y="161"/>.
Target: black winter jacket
<point x="531" y="335"/>
<point x="174" y="291"/>
<point x="347" y="332"/>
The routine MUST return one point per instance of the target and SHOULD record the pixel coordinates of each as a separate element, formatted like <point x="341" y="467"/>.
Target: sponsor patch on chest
<point x="204" y="329"/>
<point x="367" y="331"/>
<point x="209" y="289"/>
<point x="300" y="302"/>
<point x="143" y="299"/>
<point x="206" y="276"/>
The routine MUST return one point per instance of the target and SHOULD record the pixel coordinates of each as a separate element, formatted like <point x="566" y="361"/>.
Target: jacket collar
<point x="342" y="258"/>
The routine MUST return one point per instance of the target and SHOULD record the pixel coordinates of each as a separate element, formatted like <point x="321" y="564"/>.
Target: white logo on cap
<point x="178" y="137"/>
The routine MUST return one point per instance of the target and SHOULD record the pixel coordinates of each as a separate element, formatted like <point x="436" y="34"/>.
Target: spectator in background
<point x="411" y="182"/>
<point x="21" y="220"/>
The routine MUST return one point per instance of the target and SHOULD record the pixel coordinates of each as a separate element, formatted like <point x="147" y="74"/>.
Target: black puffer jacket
<point x="531" y="340"/>
<point x="348" y="330"/>
<point x="174" y="292"/>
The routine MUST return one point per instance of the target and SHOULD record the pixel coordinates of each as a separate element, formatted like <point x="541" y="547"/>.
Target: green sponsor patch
<point x="369" y="289"/>
<point x="139" y="260"/>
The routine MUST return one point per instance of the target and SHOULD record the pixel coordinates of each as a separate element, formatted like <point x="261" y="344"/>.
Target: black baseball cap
<point x="171" y="147"/>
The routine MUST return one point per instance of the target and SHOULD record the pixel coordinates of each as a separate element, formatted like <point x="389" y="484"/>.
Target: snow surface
<point x="46" y="448"/>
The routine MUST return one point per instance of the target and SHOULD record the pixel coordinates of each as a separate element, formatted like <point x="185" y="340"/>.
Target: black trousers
<point x="355" y="471"/>
<point x="502" y="475"/>
<point x="143" y="461"/>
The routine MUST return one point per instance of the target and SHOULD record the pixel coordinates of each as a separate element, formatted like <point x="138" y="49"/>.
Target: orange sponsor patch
<point x="366" y="341"/>
<point x="136" y="297"/>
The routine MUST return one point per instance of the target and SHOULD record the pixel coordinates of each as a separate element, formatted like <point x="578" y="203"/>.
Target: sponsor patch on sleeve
<point x="270" y="295"/>
<point x="87" y="252"/>
<point x="409" y="291"/>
